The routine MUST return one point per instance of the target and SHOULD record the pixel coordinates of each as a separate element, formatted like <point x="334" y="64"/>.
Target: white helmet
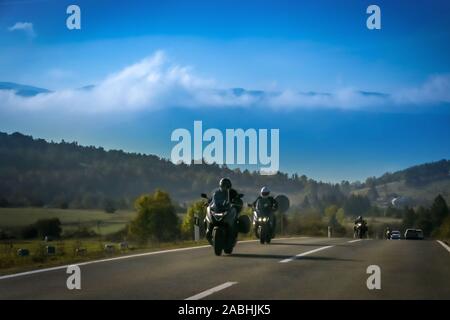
<point x="265" y="191"/>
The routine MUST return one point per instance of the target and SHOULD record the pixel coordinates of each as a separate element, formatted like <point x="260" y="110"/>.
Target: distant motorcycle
<point x="222" y="217"/>
<point x="360" y="230"/>
<point x="263" y="225"/>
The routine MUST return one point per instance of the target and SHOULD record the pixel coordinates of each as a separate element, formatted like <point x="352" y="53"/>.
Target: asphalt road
<point x="296" y="268"/>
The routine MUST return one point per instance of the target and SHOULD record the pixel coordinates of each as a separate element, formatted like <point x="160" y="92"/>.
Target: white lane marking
<point x="99" y="261"/>
<point x="26" y="273"/>
<point x="351" y="241"/>
<point x="208" y="292"/>
<point x="305" y="254"/>
<point x="444" y="245"/>
<point x="275" y="239"/>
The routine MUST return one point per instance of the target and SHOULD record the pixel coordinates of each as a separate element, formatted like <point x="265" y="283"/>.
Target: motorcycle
<point x="263" y="225"/>
<point x="360" y="230"/>
<point x="223" y="224"/>
<point x="388" y="235"/>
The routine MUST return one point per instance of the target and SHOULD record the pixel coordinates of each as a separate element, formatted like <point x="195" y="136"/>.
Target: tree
<point x="409" y="218"/>
<point x="331" y="211"/>
<point x="356" y="205"/>
<point x="197" y="208"/>
<point x="439" y="211"/>
<point x="109" y="206"/>
<point x="331" y="214"/>
<point x="444" y="229"/>
<point x="49" y="227"/>
<point x="156" y="219"/>
<point x="306" y="204"/>
<point x="424" y="220"/>
<point x="372" y="194"/>
<point x="340" y="216"/>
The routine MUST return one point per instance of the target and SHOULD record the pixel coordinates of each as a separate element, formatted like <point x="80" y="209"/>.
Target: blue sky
<point x="194" y="47"/>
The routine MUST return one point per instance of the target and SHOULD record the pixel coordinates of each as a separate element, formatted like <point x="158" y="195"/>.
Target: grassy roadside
<point x="11" y="263"/>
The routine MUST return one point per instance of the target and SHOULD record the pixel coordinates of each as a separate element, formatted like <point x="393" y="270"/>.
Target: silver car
<point x="395" y="235"/>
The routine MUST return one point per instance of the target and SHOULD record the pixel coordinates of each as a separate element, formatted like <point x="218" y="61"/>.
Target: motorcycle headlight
<point x="264" y="219"/>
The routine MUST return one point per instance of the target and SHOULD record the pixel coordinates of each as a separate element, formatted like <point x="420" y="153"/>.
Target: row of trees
<point x="34" y="172"/>
<point x="157" y="220"/>
<point x="434" y="221"/>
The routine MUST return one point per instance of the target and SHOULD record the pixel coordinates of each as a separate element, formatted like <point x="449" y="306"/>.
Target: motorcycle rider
<point x="267" y="205"/>
<point x="360" y="219"/>
<point x="388" y="233"/>
<point x="225" y="191"/>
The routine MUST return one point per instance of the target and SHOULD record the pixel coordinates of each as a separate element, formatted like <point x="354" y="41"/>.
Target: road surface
<point x="294" y="268"/>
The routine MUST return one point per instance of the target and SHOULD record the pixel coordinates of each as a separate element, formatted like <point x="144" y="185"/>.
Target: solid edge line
<point x="99" y="261"/>
<point x="444" y="245"/>
<point x="305" y="254"/>
<point x="26" y="273"/>
<point x="208" y="292"/>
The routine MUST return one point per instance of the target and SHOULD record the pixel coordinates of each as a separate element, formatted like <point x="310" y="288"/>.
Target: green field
<point x="97" y="220"/>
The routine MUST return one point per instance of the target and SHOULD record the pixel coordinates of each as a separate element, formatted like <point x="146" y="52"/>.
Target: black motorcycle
<point x="223" y="223"/>
<point x="262" y="224"/>
<point x="360" y="230"/>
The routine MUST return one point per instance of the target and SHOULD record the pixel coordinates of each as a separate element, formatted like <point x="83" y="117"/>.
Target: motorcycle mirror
<point x="283" y="203"/>
<point x="203" y="195"/>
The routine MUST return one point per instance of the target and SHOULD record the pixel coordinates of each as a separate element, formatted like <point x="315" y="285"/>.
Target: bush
<point x="49" y="227"/>
<point x="444" y="230"/>
<point x="187" y="227"/>
<point x="120" y="235"/>
<point x="29" y="232"/>
<point x="156" y="219"/>
<point x="4" y="203"/>
<point x="81" y="232"/>
<point x="310" y="223"/>
<point x="109" y="206"/>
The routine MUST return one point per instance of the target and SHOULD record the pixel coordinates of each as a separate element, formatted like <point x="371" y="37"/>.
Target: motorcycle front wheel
<point x="218" y="241"/>
<point x="262" y="234"/>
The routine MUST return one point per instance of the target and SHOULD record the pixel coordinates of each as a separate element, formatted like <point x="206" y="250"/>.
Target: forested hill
<point x="418" y="175"/>
<point x="37" y="172"/>
<point x="34" y="172"/>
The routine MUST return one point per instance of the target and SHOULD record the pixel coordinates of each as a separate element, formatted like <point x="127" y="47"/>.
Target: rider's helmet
<point x="359" y="218"/>
<point x="265" y="191"/>
<point x="225" y="184"/>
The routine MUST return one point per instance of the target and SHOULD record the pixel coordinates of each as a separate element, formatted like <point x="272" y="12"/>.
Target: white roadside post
<point x="196" y="228"/>
<point x="329" y="232"/>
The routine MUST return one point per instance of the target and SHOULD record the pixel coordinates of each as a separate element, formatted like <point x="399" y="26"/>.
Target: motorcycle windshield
<point x="219" y="202"/>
